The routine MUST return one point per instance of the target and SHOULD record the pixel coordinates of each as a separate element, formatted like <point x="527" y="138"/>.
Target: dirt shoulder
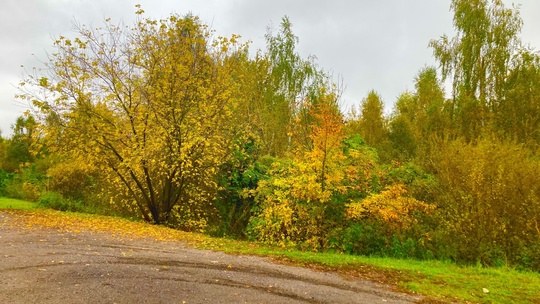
<point x="49" y="266"/>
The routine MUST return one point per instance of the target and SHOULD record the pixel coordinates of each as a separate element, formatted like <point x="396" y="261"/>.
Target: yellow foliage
<point x="150" y="106"/>
<point x="298" y="204"/>
<point x="71" y="177"/>
<point x="392" y="206"/>
<point x="491" y="192"/>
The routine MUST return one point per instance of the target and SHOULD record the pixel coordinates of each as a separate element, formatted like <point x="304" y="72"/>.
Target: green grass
<point x="11" y="203"/>
<point x="438" y="281"/>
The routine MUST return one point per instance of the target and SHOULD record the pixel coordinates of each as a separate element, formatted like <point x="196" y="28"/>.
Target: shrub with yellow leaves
<point x="392" y="206"/>
<point x="302" y="201"/>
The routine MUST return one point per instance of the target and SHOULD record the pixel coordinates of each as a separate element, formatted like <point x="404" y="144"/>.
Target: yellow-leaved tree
<point x="149" y="105"/>
<point x="304" y="198"/>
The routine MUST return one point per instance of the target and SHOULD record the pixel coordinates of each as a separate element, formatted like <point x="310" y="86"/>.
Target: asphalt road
<point x="48" y="266"/>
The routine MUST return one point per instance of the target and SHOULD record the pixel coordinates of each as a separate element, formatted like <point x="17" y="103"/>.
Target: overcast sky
<point x="371" y="45"/>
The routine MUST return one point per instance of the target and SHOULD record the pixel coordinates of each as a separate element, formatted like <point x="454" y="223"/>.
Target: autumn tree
<point x="352" y="121"/>
<point x="394" y="208"/>
<point x="149" y="105"/>
<point x="303" y="200"/>
<point x="278" y="89"/>
<point x="431" y="117"/>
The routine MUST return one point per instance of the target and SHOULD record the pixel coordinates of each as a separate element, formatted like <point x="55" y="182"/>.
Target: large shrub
<point x="304" y="199"/>
<point x="489" y="203"/>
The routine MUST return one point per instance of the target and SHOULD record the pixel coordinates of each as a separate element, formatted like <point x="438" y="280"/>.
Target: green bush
<point x="237" y="177"/>
<point x="5" y="179"/>
<point x="420" y="184"/>
<point x="20" y="189"/>
<point x="55" y="200"/>
<point x="27" y="184"/>
<point x="369" y="238"/>
<point x="364" y="239"/>
<point x="410" y="248"/>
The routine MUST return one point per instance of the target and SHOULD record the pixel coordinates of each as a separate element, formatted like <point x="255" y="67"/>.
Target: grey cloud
<point x="377" y="45"/>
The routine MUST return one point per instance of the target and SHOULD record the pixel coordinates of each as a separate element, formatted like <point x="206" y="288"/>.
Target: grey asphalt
<point x="53" y="267"/>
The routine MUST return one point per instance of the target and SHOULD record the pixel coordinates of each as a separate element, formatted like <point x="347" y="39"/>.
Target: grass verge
<point x="11" y="203"/>
<point x="438" y="281"/>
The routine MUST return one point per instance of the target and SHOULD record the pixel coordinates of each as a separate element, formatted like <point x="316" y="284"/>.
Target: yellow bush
<point x="71" y="178"/>
<point x="490" y="201"/>
<point x="392" y="206"/>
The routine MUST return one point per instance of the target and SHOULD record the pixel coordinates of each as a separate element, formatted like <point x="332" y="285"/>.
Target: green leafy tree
<point x="3" y="143"/>
<point x="291" y="85"/>
<point x="477" y="60"/>
<point x="432" y="118"/>
<point x="239" y="175"/>
<point x="420" y="117"/>
<point x="518" y="116"/>
<point x="18" y="149"/>
<point x="5" y="177"/>
<point x="402" y="138"/>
